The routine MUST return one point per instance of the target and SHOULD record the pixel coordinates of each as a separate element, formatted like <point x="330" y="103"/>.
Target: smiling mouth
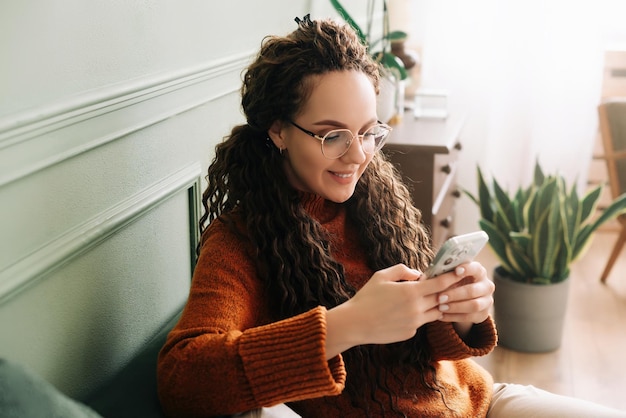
<point x="342" y="175"/>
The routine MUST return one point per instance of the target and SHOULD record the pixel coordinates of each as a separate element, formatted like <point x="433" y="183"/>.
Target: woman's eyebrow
<point x="332" y="122"/>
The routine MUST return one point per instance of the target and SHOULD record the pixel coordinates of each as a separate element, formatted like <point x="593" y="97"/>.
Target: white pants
<point x="513" y="401"/>
<point x="509" y="401"/>
<point x="277" y="411"/>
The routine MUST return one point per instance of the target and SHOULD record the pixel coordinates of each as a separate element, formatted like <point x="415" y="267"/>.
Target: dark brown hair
<point x="246" y="182"/>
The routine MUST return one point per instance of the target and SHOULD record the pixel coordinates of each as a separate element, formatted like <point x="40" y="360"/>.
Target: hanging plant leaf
<point x="349" y="20"/>
<point x="397" y="35"/>
<point x="388" y="60"/>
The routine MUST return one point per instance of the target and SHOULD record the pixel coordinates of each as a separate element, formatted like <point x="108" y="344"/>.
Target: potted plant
<point x="393" y="70"/>
<point x="536" y="234"/>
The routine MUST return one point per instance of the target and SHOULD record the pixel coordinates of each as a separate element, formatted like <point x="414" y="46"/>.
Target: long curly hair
<point x="246" y="182"/>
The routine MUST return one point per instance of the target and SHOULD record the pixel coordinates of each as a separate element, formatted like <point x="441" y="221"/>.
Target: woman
<point x="307" y="289"/>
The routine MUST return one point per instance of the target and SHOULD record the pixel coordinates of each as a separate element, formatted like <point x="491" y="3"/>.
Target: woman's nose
<point x="356" y="153"/>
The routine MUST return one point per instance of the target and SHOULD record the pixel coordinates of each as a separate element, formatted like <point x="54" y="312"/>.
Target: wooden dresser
<point x="426" y="152"/>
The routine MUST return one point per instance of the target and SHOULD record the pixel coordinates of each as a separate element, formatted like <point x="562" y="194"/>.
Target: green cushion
<point x="24" y="394"/>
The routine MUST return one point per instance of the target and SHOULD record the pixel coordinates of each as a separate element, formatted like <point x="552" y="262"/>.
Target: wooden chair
<point x="612" y="120"/>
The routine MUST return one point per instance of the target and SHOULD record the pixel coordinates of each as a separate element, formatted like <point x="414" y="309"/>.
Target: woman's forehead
<point x="340" y="92"/>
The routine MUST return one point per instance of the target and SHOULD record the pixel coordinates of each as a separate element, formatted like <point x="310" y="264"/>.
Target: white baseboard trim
<point x="87" y="235"/>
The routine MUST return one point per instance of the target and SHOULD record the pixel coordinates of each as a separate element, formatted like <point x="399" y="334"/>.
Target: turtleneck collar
<point x="319" y="208"/>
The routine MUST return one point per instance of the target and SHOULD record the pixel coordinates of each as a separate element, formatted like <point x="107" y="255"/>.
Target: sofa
<point x="132" y="392"/>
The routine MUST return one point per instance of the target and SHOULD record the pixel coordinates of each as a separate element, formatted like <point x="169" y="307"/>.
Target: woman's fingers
<point x="394" y="303"/>
<point x="471" y="298"/>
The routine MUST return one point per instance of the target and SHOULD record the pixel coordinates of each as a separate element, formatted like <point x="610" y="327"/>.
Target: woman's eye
<point x="332" y="136"/>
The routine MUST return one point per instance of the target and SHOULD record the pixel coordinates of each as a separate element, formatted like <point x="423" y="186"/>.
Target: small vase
<point x="408" y="57"/>
<point x="529" y="317"/>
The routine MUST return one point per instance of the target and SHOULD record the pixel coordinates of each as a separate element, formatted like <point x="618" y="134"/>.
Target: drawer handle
<point x="446" y="222"/>
<point x="456" y="193"/>
<point x="458" y="146"/>
<point x="446" y="169"/>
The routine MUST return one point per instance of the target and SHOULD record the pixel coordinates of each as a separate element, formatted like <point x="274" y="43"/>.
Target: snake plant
<point x="384" y="57"/>
<point x="538" y="232"/>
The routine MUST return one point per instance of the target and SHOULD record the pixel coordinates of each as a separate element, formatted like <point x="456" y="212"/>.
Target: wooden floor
<point x="591" y="362"/>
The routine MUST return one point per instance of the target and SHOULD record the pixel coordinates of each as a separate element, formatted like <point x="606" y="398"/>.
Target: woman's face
<point x="339" y="100"/>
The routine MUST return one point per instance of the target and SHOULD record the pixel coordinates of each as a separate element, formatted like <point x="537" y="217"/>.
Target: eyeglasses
<point x="337" y="142"/>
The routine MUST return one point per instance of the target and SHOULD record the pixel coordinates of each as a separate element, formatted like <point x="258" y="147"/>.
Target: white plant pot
<point x="386" y="99"/>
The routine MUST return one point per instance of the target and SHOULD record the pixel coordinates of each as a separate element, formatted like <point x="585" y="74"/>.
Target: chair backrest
<point x="612" y="120"/>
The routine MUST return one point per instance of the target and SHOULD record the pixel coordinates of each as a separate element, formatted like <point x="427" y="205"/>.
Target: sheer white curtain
<point x="527" y="72"/>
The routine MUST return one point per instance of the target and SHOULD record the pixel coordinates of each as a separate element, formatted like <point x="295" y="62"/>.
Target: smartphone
<point x="456" y="250"/>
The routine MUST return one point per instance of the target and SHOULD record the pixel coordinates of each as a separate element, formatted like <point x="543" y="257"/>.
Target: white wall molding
<point x="87" y="235"/>
<point x="38" y="138"/>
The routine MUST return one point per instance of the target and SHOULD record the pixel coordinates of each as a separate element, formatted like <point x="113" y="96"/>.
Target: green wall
<point x="109" y="114"/>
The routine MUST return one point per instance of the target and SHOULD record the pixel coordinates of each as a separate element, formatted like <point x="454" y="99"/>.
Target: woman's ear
<point x="276" y="135"/>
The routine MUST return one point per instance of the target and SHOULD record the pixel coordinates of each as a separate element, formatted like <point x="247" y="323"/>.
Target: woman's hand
<point x="391" y="306"/>
<point x="469" y="300"/>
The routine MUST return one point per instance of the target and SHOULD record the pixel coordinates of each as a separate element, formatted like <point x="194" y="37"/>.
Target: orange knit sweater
<point x="225" y="357"/>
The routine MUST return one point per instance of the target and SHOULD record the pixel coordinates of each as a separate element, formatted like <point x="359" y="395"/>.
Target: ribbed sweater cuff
<point x="286" y="360"/>
<point x="448" y="345"/>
